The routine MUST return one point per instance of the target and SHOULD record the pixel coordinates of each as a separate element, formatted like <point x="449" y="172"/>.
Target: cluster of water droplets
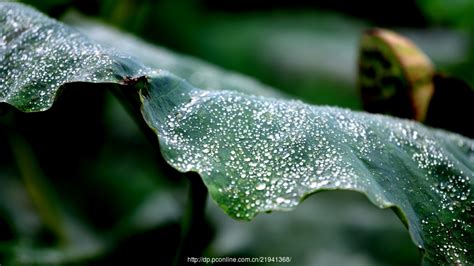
<point x="446" y="163"/>
<point x="38" y="55"/>
<point x="259" y="154"/>
<point x="265" y="153"/>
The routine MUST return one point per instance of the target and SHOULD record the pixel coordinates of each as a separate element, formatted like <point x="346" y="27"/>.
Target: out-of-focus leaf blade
<point x="197" y="72"/>
<point x="258" y="154"/>
<point x="456" y="13"/>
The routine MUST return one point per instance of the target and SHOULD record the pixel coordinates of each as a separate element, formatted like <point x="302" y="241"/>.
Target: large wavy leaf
<point x="258" y="154"/>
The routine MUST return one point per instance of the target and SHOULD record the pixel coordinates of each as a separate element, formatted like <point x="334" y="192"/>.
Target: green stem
<point x="194" y="227"/>
<point x="42" y="194"/>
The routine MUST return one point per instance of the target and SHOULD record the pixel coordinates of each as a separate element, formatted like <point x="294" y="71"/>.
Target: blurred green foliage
<point x="110" y="198"/>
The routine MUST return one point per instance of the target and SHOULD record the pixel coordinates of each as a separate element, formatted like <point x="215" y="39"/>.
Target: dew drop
<point x="280" y="200"/>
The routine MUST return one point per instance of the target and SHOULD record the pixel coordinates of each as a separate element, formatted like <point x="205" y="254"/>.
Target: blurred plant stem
<point x="40" y="191"/>
<point x="194" y="224"/>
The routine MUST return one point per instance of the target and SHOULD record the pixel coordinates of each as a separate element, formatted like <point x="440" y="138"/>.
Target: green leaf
<point x="38" y="56"/>
<point x="258" y="154"/>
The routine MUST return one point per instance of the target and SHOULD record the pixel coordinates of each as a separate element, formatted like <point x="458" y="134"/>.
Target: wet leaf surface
<point x="38" y="55"/>
<point x="258" y="154"/>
